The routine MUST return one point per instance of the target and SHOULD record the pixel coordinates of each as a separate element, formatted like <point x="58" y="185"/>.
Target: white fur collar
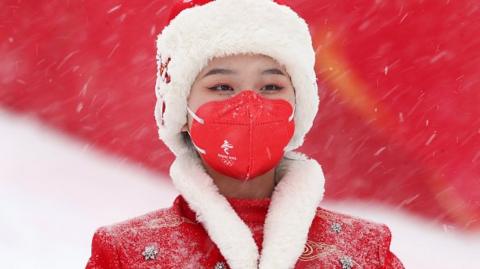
<point x="290" y="214"/>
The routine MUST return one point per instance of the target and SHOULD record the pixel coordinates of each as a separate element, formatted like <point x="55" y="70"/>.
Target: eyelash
<point x="215" y="88"/>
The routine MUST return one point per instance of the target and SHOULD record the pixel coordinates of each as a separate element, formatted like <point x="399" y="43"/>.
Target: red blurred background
<point x="398" y="121"/>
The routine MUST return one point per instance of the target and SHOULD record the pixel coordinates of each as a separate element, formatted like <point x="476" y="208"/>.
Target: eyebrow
<point x="219" y="71"/>
<point x="273" y="71"/>
<point x="223" y="71"/>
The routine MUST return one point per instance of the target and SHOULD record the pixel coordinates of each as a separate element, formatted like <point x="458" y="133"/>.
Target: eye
<point x="221" y="87"/>
<point x="271" y="87"/>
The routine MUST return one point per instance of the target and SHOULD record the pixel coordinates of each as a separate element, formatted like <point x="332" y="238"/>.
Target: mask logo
<point x="226" y="146"/>
<point x="227" y="159"/>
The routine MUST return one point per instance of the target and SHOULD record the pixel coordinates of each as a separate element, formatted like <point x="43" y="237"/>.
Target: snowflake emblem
<point x="220" y="265"/>
<point x="347" y="262"/>
<point x="336" y="227"/>
<point x="150" y="252"/>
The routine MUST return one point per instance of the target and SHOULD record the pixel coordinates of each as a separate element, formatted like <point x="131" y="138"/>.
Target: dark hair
<point x="188" y="141"/>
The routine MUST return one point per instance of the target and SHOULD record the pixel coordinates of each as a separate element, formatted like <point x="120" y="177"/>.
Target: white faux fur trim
<point x="291" y="212"/>
<point x="226" y="27"/>
<point x="294" y="203"/>
<point x="223" y="225"/>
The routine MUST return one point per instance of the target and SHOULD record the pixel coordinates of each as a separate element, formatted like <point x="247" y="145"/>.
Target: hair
<point x="188" y="141"/>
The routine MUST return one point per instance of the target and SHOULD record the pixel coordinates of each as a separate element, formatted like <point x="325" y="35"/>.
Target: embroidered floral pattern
<point x="316" y="250"/>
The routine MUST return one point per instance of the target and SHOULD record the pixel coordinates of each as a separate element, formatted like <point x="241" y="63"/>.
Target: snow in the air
<point x="55" y="192"/>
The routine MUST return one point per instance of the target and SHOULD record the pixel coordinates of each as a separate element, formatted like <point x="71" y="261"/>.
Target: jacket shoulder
<point x="157" y="219"/>
<point x="339" y="221"/>
<point x="126" y="241"/>
<point x="363" y="241"/>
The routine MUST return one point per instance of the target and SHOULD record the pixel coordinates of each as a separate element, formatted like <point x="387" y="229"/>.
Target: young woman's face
<point x="226" y="76"/>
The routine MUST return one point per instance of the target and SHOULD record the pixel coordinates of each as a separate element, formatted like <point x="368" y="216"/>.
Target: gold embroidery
<point x="316" y="250"/>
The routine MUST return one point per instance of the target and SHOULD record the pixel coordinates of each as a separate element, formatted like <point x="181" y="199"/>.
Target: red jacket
<point x="180" y="237"/>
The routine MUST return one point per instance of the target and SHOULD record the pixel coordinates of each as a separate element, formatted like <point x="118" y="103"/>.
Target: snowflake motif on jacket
<point x="184" y="243"/>
<point x="150" y="253"/>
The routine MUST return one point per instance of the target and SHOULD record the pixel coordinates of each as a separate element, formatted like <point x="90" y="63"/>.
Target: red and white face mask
<point x="243" y="136"/>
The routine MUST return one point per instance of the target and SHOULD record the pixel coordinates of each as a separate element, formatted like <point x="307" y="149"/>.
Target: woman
<point x="237" y="93"/>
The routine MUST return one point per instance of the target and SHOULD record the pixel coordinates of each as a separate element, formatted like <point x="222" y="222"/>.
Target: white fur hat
<point x="227" y="27"/>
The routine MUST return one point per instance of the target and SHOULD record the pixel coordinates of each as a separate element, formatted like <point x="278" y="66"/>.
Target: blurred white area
<point x="55" y="192"/>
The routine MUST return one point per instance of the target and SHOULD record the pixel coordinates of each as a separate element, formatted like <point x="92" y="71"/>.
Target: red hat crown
<point x="180" y="5"/>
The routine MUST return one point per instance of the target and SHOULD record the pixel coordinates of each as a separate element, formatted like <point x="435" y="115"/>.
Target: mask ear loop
<point x="293" y="114"/>
<point x="289" y="120"/>
<point x="197" y="118"/>
<point x="201" y="121"/>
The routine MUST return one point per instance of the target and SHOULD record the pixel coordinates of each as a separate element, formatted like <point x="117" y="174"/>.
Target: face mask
<point x="243" y="136"/>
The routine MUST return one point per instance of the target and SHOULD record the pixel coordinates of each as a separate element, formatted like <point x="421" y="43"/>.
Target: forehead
<point x="253" y="60"/>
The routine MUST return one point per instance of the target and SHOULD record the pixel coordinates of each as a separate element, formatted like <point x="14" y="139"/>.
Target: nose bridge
<point x="250" y="74"/>
<point x="249" y="82"/>
<point x="249" y="95"/>
<point x="247" y="87"/>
